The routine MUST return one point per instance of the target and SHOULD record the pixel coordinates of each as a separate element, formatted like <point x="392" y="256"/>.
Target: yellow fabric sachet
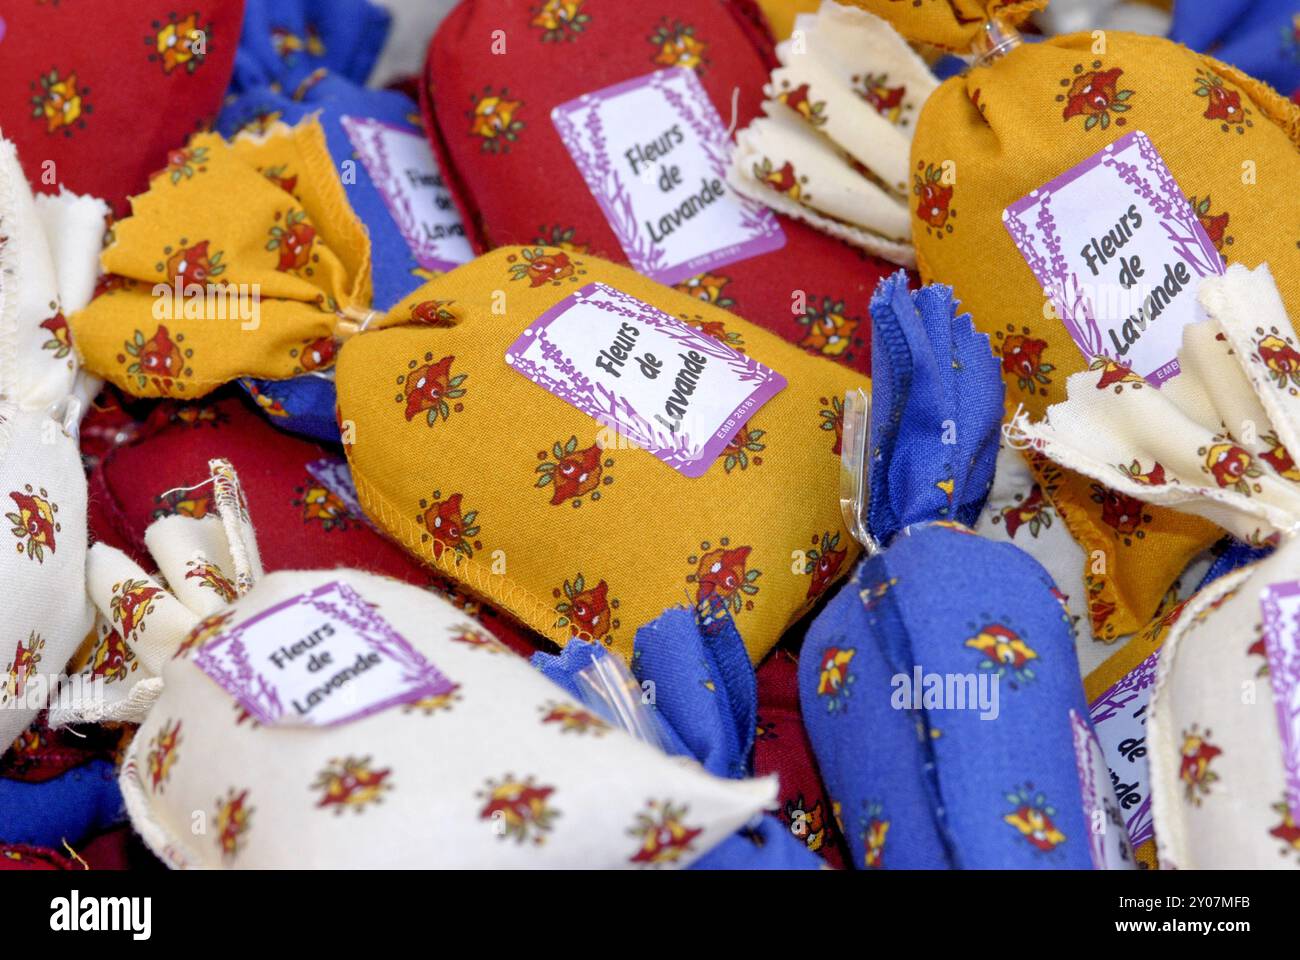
<point x="989" y="137"/>
<point x="270" y="261"/>
<point x="519" y="495"/>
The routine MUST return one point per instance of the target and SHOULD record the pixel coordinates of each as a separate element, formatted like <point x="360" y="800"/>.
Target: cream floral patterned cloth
<point x="1214" y="441"/>
<point x="49" y="253"/>
<point x="833" y="146"/>
<point x="142" y="619"/>
<point x="499" y="770"/>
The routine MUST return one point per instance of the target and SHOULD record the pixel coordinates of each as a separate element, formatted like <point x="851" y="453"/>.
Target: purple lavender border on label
<point x="1150" y="179"/>
<point x="1115" y="704"/>
<point x="1282" y="647"/>
<point x="374" y="155"/>
<point x="225" y="658"/>
<point x="606" y="184"/>
<point x="612" y="409"/>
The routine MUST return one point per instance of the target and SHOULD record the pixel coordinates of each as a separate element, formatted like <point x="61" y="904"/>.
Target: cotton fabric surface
<point x="1217" y="751"/>
<point x="455" y="488"/>
<point x="74" y="77"/>
<point x="300" y="499"/>
<point x="489" y="118"/>
<point x="704" y="704"/>
<point x="268" y="256"/>
<point x="841" y="111"/>
<point x="310" y="58"/>
<point x="508" y="771"/>
<point x="47" y="269"/>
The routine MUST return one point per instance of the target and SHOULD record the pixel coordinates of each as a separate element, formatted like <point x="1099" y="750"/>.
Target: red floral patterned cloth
<point x="301" y="523"/>
<point x="115" y="849"/>
<point x="516" y="183"/>
<point x="781" y="746"/>
<point x="104" y="90"/>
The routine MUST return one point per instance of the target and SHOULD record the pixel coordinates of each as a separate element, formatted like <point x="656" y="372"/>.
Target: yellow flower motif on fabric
<point x="59" y="101"/>
<point x="664" y="835"/>
<point x="519" y="809"/>
<point x="874" y="831"/>
<point x="351" y="784"/>
<point x="162" y="754"/>
<point x="830" y="330"/>
<point x="1004" y="652"/>
<point x="677" y="46"/>
<point x="560" y="19"/>
<point x="34" y="523"/>
<point x="493" y="120"/>
<point x="1197" y="753"/>
<point x="179" y="43"/>
<point x="233" y="820"/>
<point x="834" y="681"/>
<point x="1032" y="817"/>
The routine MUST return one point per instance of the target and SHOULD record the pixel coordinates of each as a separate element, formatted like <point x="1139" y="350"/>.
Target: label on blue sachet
<point x="1120" y="252"/>
<point x="402" y="168"/>
<point x="654" y="153"/>
<point x="648" y="378"/>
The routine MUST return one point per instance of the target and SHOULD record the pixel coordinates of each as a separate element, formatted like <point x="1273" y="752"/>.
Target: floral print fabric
<point x="267" y="255"/>
<point x="1054" y="104"/>
<point x="508" y="768"/>
<point x="945" y="730"/>
<point x="564" y="501"/>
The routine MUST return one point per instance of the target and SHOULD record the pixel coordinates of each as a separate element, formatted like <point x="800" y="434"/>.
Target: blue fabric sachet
<point x="940" y="687"/>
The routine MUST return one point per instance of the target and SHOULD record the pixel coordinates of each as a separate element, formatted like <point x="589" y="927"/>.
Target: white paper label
<point x="654" y="152"/>
<point x="317" y="659"/>
<point x="1120" y="252"/>
<point x="647" y="376"/>
<point x="402" y="167"/>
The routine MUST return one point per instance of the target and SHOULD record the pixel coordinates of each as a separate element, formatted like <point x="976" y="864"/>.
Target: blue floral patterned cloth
<point x="1261" y="37"/>
<point x="703" y="699"/>
<point x="937" y="686"/>
<point x="303" y="57"/>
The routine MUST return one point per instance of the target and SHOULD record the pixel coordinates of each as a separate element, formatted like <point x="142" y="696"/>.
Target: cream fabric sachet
<point x="143" y="619"/>
<point x="832" y="148"/>
<point x="1224" y="722"/>
<point x="49" y="261"/>
<point x="310" y="718"/>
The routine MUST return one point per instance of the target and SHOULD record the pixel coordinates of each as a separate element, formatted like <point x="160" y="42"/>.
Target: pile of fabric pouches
<point x="750" y="434"/>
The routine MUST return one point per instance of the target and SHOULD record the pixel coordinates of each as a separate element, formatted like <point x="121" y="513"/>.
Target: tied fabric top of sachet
<point x="940" y="687"/>
<point x="545" y="510"/>
<point x="1050" y="106"/>
<point x="242" y="259"/>
<point x="99" y="93"/>
<point x="832" y="148"/>
<point x="1222" y="735"/>
<point x="48" y="248"/>
<point x="311" y="58"/>
<point x="705" y="707"/>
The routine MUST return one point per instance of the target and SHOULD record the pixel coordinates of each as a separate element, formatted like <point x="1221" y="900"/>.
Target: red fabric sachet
<point x="489" y="116"/>
<point x="302" y="521"/>
<point x="104" y="90"/>
<point x="781" y="747"/>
